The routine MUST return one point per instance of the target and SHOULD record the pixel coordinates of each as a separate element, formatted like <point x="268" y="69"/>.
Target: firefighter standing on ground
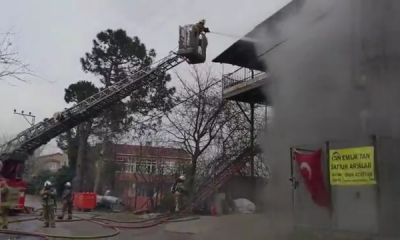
<point x="178" y="189"/>
<point x="5" y="204"/>
<point x="67" y="201"/>
<point x="48" y="194"/>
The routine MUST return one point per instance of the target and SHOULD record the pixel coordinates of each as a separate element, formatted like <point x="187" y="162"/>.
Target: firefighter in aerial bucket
<point x="48" y="194"/>
<point x="5" y="204"/>
<point x="67" y="201"/>
<point x="178" y="189"/>
<point x="200" y="28"/>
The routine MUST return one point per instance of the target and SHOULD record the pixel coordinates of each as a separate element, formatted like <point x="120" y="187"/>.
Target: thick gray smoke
<point x="320" y="87"/>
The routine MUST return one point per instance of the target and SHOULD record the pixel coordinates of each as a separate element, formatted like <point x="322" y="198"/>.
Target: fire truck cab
<point x="11" y="172"/>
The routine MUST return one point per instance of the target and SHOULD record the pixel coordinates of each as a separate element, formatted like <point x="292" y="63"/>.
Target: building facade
<point x="51" y="162"/>
<point x="146" y="172"/>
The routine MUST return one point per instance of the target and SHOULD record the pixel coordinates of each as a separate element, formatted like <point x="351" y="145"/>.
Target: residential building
<point x="147" y="171"/>
<point x="52" y="162"/>
<point x="145" y="161"/>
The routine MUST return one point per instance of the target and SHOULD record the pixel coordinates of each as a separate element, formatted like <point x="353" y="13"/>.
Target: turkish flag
<point x="311" y="172"/>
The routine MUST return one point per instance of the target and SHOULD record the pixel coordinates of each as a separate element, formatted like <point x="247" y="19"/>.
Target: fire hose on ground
<point x="137" y="224"/>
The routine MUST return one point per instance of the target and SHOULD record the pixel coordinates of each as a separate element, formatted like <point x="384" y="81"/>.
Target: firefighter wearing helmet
<point x="201" y="27"/>
<point x="48" y="194"/>
<point x="178" y="189"/>
<point x="5" y="204"/>
<point x="67" y="201"/>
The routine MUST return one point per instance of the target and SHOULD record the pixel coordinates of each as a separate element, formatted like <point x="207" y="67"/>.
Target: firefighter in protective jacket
<point x="201" y="27"/>
<point x="67" y="201"/>
<point x="5" y="204"/>
<point x="48" y="194"/>
<point x="178" y="189"/>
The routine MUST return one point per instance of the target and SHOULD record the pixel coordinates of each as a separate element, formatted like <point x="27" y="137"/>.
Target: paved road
<point x="85" y="228"/>
<point x="227" y="227"/>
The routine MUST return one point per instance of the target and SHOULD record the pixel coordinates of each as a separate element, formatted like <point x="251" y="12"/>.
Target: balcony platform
<point x="245" y="86"/>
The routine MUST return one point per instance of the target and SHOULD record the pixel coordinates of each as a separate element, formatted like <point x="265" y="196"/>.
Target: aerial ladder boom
<point x="29" y="140"/>
<point x="41" y="133"/>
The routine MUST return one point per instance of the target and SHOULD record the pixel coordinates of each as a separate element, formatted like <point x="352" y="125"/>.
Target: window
<point x="129" y="167"/>
<point x="53" y="166"/>
<point x="151" y="166"/>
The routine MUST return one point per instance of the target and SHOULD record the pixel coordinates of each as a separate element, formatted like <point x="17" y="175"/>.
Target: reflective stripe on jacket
<point x="5" y="196"/>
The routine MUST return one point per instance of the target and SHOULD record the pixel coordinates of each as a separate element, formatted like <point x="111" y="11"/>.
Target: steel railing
<point x="241" y="75"/>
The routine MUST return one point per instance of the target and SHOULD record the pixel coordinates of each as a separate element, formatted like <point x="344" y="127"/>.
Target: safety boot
<point x="53" y="225"/>
<point x="69" y="217"/>
<point x="46" y="225"/>
<point x="4" y="227"/>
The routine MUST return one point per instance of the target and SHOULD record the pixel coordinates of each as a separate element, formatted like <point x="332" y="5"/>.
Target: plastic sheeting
<point x="244" y="205"/>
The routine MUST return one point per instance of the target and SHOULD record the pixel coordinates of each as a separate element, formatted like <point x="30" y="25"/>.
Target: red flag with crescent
<point x="311" y="172"/>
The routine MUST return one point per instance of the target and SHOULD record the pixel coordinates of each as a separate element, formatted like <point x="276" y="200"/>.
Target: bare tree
<point x="151" y="170"/>
<point x="31" y="164"/>
<point x="11" y="66"/>
<point x="197" y="120"/>
<point x="237" y="136"/>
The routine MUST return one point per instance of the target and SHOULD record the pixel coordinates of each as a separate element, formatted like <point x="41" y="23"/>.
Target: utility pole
<point x="27" y="166"/>
<point x="28" y="116"/>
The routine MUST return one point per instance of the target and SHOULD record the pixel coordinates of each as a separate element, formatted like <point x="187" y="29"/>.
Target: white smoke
<point x="317" y="92"/>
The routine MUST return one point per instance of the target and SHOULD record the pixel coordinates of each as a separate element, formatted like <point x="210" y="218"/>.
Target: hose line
<point x="115" y="225"/>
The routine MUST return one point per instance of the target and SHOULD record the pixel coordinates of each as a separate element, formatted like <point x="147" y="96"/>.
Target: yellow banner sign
<point x="352" y="166"/>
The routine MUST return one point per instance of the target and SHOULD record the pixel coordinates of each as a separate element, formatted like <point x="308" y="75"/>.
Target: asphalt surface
<point x="85" y="228"/>
<point x="230" y="227"/>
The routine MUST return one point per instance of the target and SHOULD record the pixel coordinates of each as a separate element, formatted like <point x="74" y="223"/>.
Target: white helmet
<point x="68" y="184"/>
<point x="182" y="177"/>
<point x="47" y="183"/>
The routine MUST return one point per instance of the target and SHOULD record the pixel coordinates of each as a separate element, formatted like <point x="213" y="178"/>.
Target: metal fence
<point x="241" y="75"/>
<point x="369" y="209"/>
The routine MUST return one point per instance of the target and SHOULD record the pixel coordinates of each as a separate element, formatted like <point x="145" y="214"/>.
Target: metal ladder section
<point x="41" y="133"/>
<point x="223" y="174"/>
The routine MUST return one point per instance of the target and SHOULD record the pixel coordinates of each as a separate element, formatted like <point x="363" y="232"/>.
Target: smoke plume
<point x="320" y="87"/>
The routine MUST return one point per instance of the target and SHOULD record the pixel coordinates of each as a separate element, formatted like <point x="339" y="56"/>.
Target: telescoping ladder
<point x="41" y="133"/>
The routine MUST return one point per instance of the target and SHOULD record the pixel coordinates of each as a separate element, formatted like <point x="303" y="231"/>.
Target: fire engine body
<point x="11" y="172"/>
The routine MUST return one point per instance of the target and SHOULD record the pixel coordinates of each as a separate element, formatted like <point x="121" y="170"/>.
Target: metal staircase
<point x="41" y="133"/>
<point x="223" y="173"/>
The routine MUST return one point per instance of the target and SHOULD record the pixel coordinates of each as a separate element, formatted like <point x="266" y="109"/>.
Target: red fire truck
<point x="11" y="172"/>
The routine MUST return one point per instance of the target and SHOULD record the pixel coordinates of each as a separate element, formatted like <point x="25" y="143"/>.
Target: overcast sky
<point x="52" y="35"/>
